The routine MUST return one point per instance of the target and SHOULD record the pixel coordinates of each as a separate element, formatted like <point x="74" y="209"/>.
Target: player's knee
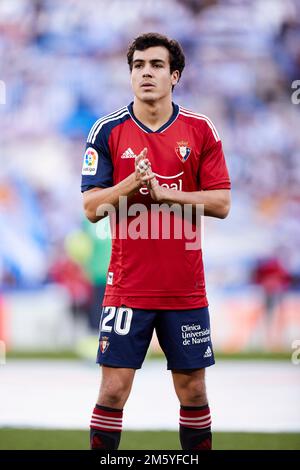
<point x="114" y="394"/>
<point x="194" y="393"/>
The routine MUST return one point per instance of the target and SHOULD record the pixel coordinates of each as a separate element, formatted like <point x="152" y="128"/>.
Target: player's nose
<point x="147" y="73"/>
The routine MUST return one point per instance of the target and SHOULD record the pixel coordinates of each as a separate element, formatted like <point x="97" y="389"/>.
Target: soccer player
<point x="154" y="152"/>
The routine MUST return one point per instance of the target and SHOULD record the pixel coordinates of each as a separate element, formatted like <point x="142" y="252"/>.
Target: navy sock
<point x="105" y="428"/>
<point x="195" y="428"/>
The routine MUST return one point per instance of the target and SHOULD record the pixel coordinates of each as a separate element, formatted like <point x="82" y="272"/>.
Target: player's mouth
<point x="147" y="85"/>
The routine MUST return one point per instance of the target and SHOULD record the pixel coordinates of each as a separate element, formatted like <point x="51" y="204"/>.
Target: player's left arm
<point x="216" y="202"/>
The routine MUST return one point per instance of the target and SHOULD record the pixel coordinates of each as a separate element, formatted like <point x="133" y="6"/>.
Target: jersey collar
<point x="162" y="128"/>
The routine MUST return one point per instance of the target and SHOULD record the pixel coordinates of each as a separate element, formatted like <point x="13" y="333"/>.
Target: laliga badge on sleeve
<point x="90" y="162"/>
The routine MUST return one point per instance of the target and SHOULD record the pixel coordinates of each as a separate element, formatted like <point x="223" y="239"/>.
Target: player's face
<point x="151" y="78"/>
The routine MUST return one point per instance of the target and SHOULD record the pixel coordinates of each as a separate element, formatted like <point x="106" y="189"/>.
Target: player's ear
<point x="175" y="77"/>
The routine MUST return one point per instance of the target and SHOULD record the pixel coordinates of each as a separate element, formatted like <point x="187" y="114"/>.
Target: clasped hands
<point x="145" y="176"/>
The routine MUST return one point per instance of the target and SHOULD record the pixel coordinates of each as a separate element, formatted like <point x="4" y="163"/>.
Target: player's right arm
<point x="97" y="198"/>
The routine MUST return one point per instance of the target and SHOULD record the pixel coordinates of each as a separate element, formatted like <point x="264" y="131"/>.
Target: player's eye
<point x="137" y="66"/>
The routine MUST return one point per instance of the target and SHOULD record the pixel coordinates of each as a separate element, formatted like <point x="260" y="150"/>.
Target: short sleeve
<point x="97" y="167"/>
<point x="213" y="172"/>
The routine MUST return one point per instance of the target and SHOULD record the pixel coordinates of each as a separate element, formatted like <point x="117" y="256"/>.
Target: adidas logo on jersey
<point x="129" y="153"/>
<point x="208" y="352"/>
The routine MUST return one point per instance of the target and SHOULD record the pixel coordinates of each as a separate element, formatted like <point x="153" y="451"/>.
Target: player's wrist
<point x="136" y="181"/>
<point x="164" y="195"/>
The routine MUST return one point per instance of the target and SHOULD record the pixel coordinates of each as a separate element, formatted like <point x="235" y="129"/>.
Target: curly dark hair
<point x="176" y="55"/>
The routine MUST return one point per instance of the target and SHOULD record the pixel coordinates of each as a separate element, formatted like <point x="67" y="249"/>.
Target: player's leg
<point x="184" y="336"/>
<point x="116" y="383"/>
<point x="106" y="422"/>
<point x="195" y="419"/>
<point x="190" y="386"/>
<point x="125" y="335"/>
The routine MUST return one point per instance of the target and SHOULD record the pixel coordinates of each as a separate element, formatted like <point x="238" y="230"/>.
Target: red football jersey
<point x="186" y="154"/>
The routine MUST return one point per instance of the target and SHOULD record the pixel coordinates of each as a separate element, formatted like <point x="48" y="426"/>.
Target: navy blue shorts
<point x="184" y="336"/>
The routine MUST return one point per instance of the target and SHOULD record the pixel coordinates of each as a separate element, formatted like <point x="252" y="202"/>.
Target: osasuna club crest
<point x="104" y="343"/>
<point x="183" y="150"/>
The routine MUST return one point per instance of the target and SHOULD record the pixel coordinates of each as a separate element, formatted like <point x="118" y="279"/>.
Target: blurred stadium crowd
<point x="64" y="65"/>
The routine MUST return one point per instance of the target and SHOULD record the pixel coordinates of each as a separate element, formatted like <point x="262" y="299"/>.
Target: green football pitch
<point x="37" y="439"/>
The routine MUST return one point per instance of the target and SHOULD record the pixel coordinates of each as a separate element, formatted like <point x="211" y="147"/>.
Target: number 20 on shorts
<point x="115" y="318"/>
